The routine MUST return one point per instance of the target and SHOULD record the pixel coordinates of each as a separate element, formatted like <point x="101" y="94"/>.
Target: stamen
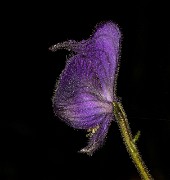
<point x="92" y="131"/>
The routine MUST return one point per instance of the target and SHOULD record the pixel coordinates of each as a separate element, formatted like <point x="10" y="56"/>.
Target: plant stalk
<point x="129" y="141"/>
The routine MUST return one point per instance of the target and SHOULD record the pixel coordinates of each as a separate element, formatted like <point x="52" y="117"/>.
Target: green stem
<point x="129" y="141"/>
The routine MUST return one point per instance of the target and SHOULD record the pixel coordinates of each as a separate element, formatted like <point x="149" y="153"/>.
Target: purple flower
<point x="86" y="87"/>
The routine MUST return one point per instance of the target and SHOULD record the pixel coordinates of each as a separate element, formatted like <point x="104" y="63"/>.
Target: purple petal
<point x="104" y="54"/>
<point x="98" y="137"/>
<point x="78" y="99"/>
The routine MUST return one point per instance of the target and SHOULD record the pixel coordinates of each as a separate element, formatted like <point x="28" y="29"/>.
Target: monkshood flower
<point x="86" y="87"/>
<point x="85" y="95"/>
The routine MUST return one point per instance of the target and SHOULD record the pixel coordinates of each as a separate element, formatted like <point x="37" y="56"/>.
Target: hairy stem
<point x="129" y="141"/>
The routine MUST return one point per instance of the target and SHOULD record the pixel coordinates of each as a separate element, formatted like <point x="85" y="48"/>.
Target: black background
<point x="35" y="143"/>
